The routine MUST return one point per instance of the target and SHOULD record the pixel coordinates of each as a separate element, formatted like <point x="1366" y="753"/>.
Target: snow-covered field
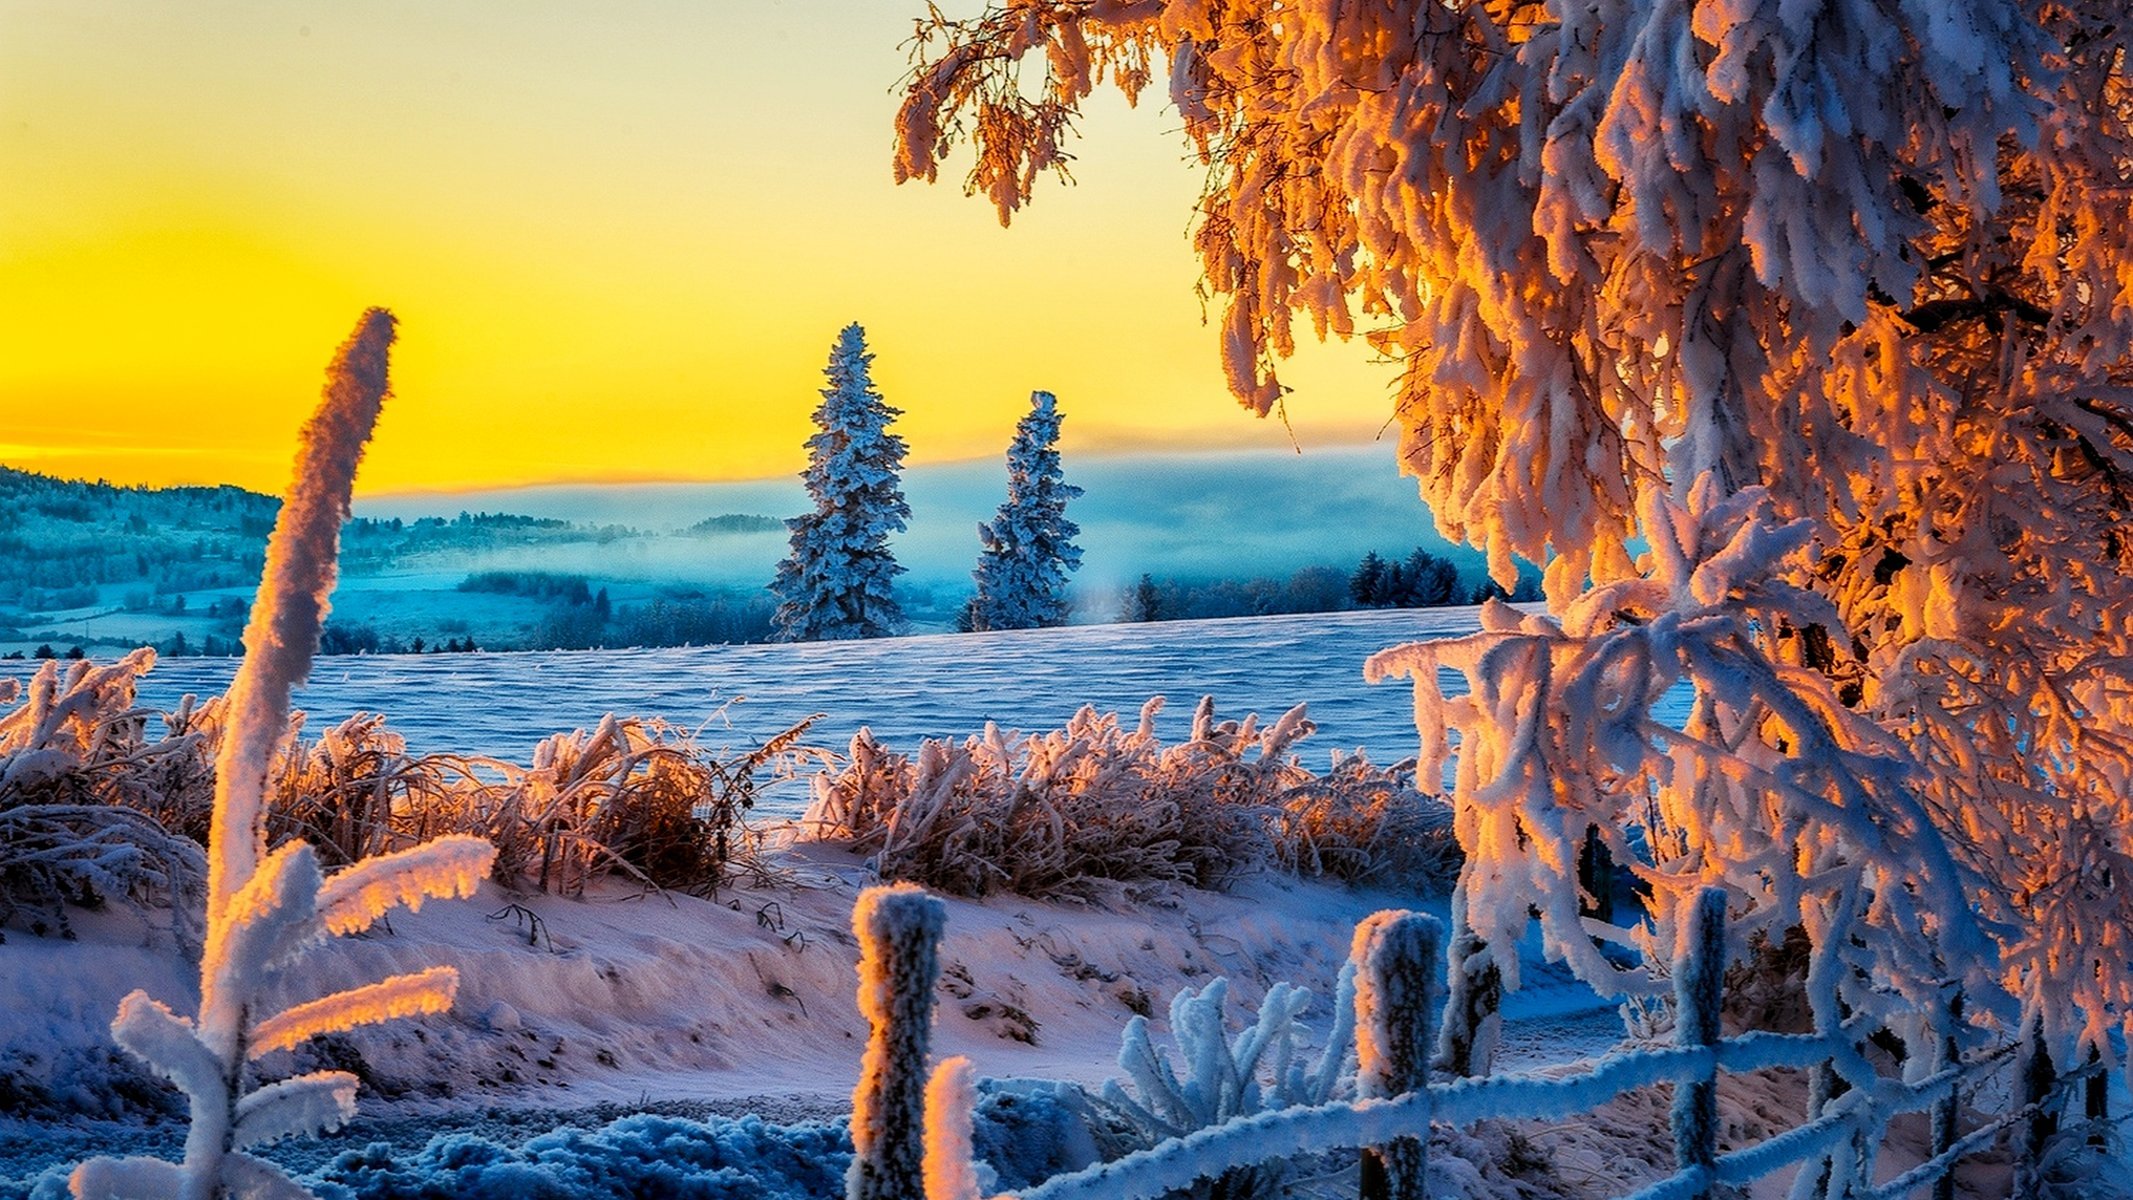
<point x="583" y="1012"/>
<point x="945" y="685"/>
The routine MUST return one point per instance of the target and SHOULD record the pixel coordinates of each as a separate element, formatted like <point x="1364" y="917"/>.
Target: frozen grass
<point x="103" y="799"/>
<point x="1076" y="810"/>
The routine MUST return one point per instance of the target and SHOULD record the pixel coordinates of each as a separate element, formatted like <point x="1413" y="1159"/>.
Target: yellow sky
<point x="620" y="238"/>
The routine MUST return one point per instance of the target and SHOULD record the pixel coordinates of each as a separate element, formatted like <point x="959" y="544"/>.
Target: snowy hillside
<point x="944" y="685"/>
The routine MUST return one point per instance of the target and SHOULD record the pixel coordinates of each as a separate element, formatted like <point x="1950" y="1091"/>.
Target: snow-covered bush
<point x="635" y="796"/>
<point x="899" y="931"/>
<point x="1075" y="809"/>
<point x="1799" y="804"/>
<point x="1029" y="544"/>
<point x="1219" y="1077"/>
<point x="53" y="856"/>
<point x="1366" y="824"/>
<point x="79" y="738"/>
<point x="95" y="802"/>
<point x="357" y="792"/>
<point x="266" y="910"/>
<point x="104" y="806"/>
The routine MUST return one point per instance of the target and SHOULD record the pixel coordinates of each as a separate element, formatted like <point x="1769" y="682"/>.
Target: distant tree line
<point x="341" y="637"/>
<point x="675" y="619"/>
<point x="735" y="523"/>
<point x="1421" y="580"/>
<point x="533" y="585"/>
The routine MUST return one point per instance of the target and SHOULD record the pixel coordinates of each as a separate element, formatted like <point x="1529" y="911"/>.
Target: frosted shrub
<point x="1366" y="824"/>
<point x="356" y="792"/>
<point x="82" y="783"/>
<point x="1068" y="811"/>
<point x="1800" y="805"/>
<point x="1219" y="1077"/>
<point x="53" y="856"/>
<point x="265" y="911"/>
<point x="78" y="738"/>
<point x="101" y="808"/>
<point x="635" y="796"/>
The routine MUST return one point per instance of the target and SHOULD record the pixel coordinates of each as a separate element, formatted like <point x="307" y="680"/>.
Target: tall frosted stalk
<point x="266" y="910"/>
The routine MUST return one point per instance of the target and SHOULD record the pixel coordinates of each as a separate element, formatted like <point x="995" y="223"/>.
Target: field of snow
<point x="944" y="685"/>
<point x="650" y="1033"/>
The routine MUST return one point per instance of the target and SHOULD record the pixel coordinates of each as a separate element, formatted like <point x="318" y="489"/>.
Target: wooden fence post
<point x="1947" y="1111"/>
<point x="1474" y="993"/>
<point x="1699" y="970"/>
<point x="899" y="929"/>
<point x="1397" y="956"/>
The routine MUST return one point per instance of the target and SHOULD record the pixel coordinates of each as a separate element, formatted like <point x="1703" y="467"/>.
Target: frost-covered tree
<point x="1029" y="543"/>
<point x="839" y="580"/>
<point x="265" y="911"/>
<point x="1793" y="339"/>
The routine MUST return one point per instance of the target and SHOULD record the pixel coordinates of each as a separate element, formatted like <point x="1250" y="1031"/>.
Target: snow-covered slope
<point x="945" y="685"/>
<point x="626" y="997"/>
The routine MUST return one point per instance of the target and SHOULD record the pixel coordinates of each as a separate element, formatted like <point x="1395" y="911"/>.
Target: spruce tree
<point x="1029" y="548"/>
<point x="838" y="582"/>
<point x="1367" y="585"/>
<point x="1144" y="602"/>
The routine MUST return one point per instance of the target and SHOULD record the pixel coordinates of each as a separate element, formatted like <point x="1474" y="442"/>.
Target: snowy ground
<point x="743" y="1004"/>
<point x="904" y="688"/>
<point x="625" y="1004"/>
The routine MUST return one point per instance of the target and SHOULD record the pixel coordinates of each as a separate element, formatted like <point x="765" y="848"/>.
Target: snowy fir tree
<point x="1795" y="341"/>
<point x="266" y="910"/>
<point x="1029" y="543"/>
<point x="839" y="580"/>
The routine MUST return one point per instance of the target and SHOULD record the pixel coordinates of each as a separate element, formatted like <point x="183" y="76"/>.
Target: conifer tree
<point x="838" y="582"/>
<point x="1144" y="602"/>
<point x="1029" y="548"/>
<point x="1367" y="585"/>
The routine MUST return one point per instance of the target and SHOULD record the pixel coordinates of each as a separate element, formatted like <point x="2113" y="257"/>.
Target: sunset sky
<point x="620" y="239"/>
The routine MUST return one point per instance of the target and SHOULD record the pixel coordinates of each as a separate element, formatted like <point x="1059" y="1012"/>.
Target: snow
<point x="905" y="689"/>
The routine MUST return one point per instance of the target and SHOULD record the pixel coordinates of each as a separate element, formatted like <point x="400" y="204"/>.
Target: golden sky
<point x="620" y="238"/>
